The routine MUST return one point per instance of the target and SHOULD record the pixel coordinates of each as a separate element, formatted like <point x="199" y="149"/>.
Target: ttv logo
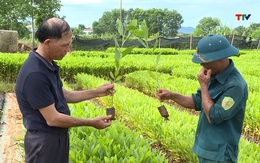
<point x="244" y="16"/>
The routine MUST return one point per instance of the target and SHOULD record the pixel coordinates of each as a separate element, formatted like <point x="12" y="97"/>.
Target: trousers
<point x="43" y="147"/>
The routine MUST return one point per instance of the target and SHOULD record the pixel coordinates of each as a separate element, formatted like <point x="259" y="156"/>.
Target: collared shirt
<point x="229" y="93"/>
<point x="38" y="85"/>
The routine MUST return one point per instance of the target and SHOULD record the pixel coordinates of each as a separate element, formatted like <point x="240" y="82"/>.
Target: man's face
<point x="59" y="48"/>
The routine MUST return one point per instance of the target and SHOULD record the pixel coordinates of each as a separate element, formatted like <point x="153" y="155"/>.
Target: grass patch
<point x="7" y="87"/>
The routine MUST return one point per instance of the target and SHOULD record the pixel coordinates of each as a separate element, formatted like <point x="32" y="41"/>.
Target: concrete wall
<point x="8" y="41"/>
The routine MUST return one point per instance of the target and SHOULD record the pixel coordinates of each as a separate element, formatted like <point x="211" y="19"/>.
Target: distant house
<point x="88" y="31"/>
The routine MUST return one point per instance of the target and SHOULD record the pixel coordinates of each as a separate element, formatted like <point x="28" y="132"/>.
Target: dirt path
<point x="11" y="132"/>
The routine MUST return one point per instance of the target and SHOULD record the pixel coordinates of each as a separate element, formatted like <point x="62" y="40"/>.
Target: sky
<point x="87" y="11"/>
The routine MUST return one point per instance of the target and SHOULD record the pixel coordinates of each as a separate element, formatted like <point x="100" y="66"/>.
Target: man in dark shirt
<point x="43" y="99"/>
<point x="221" y="99"/>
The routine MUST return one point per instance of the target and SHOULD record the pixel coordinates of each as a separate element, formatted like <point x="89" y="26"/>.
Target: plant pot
<point x="111" y="111"/>
<point x="163" y="111"/>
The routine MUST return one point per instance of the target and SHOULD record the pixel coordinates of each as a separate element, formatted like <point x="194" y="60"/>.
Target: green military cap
<point x="212" y="48"/>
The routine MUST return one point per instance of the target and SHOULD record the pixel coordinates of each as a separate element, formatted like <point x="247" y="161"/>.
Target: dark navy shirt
<point x="229" y="92"/>
<point x="38" y="85"/>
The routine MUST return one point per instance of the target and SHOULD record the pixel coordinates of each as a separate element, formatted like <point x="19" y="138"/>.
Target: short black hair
<point x="52" y="28"/>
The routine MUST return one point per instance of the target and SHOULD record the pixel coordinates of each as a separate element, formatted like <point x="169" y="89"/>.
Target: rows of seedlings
<point x="102" y="63"/>
<point x="143" y="82"/>
<point x="116" y="143"/>
<point x="141" y="113"/>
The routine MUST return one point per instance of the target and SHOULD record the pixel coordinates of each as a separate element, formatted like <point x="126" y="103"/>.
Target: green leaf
<point x="142" y="42"/>
<point x="156" y="41"/>
<point x="72" y="155"/>
<point x="132" y="29"/>
<point x="155" y="36"/>
<point x="144" y="30"/>
<point x="119" y="77"/>
<point x="117" y="64"/>
<point x="94" y="151"/>
<point x="120" y="28"/>
<point x="127" y="51"/>
<point x="138" y="33"/>
<point x="155" y="45"/>
<point x="115" y="149"/>
<point x="152" y="74"/>
<point x="158" y="59"/>
<point x="132" y="25"/>
<point x="117" y="54"/>
<point x="116" y="42"/>
<point x="170" y="78"/>
<point x="111" y="75"/>
<point x="106" y="159"/>
<point x="116" y="72"/>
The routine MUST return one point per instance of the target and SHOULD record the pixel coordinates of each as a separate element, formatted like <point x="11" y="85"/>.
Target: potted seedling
<point x="162" y="109"/>
<point x="115" y="75"/>
<point x="142" y="35"/>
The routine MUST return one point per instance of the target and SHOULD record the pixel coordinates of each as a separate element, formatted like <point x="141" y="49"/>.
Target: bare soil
<point x="12" y="132"/>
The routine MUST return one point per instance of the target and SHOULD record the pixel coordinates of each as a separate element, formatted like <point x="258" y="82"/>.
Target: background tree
<point x="107" y="23"/>
<point x="206" y="26"/>
<point x="45" y="8"/>
<point x="240" y="31"/>
<point x="41" y="10"/>
<point x="81" y="27"/>
<point x="223" y="30"/>
<point x="15" y="15"/>
<point x="198" y="32"/>
<point x="164" y="21"/>
<point x="252" y="28"/>
<point x="76" y="32"/>
<point x="172" y="22"/>
<point x="256" y="34"/>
